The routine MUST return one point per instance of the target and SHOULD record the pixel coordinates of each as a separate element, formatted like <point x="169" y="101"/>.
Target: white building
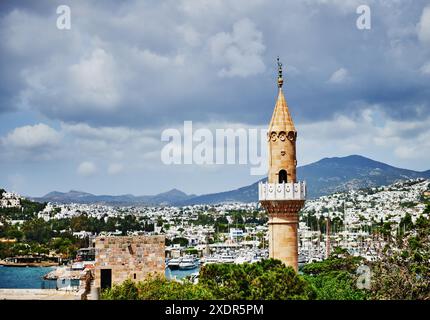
<point x="236" y="233"/>
<point x="10" y="200"/>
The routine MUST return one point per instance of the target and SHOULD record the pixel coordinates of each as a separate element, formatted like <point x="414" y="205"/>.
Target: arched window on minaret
<point x="282" y="176"/>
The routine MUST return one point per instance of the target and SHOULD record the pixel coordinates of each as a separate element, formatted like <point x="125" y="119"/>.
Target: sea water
<point x="25" y="278"/>
<point x="180" y="274"/>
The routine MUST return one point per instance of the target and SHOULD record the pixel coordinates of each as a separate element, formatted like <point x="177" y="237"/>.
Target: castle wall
<point x="132" y="258"/>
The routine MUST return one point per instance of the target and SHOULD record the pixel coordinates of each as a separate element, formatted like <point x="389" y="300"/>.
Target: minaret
<point x="282" y="196"/>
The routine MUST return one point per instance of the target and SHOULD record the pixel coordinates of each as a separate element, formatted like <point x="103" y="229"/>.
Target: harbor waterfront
<point x="33" y="277"/>
<point x="180" y="274"/>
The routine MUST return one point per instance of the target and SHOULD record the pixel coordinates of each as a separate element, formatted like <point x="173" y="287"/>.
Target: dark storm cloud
<point x="141" y="63"/>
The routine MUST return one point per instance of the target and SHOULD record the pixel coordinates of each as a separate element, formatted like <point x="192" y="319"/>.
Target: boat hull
<point x="187" y="267"/>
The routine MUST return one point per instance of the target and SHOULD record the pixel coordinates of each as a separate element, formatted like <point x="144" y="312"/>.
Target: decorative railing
<point x="282" y="191"/>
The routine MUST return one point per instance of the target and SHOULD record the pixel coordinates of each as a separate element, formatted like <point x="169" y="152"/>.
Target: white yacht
<point x="188" y="263"/>
<point x="174" y="263"/>
<point x="211" y="259"/>
<point x="227" y="259"/>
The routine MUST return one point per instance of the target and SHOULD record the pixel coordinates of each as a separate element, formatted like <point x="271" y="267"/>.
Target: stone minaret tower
<point x="282" y="195"/>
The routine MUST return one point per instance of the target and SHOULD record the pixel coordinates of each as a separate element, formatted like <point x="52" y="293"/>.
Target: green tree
<point x="125" y="291"/>
<point x="37" y="230"/>
<point x="14" y="233"/>
<point x="156" y="288"/>
<point x="221" y="224"/>
<point x="180" y="240"/>
<point x="403" y="272"/>
<point x="268" y="279"/>
<point x="335" y="278"/>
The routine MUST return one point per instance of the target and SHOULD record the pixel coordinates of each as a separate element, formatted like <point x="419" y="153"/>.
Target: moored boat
<point x="211" y="259"/>
<point x="174" y="263"/>
<point x="188" y="263"/>
<point x="227" y="259"/>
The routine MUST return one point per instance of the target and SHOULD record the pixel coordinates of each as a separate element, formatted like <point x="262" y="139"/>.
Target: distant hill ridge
<point x="73" y="196"/>
<point x="323" y="177"/>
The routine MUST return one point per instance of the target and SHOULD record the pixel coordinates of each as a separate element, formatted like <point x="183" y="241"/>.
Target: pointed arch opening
<point x="282" y="176"/>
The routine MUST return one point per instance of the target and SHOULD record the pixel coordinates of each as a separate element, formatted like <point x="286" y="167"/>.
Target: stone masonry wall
<point x="132" y="257"/>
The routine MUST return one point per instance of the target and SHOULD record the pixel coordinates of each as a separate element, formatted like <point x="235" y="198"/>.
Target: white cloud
<point x="32" y="137"/>
<point x="86" y="169"/>
<point x="149" y="59"/>
<point x="423" y="27"/>
<point x="191" y="36"/>
<point x="115" y="168"/>
<point x="240" y="52"/>
<point x="339" y="76"/>
<point x="68" y="89"/>
<point x="405" y="152"/>
<point x="18" y="34"/>
<point x="83" y="130"/>
<point x="116" y="148"/>
<point x="345" y="6"/>
<point x="425" y="68"/>
<point x="118" y="70"/>
<point x="395" y="142"/>
<point x="93" y="80"/>
<point x="205" y="9"/>
<point x="111" y="140"/>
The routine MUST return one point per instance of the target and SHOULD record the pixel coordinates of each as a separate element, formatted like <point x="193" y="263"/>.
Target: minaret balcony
<point x="282" y="191"/>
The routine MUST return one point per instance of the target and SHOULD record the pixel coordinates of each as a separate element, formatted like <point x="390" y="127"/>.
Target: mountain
<point x="71" y="196"/>
<point x="165" y="198"/>
<point x="170" y="197"/>
<point x="323" y="177"/>
<point x="352" y="172"/>
<point x="244" y="194"/>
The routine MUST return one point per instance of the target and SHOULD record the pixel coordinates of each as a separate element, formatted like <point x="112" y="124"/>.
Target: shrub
<point x="156" y="288"/>
<point x="268" y="279"/>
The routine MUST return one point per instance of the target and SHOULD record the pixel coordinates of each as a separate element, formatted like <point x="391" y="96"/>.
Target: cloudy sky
<point x="85" y="108"/>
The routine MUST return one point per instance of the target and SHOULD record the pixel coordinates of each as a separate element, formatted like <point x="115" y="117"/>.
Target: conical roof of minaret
<point x="281" y="118"/>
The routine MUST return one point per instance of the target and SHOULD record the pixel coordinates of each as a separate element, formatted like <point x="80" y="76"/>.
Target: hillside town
<point x="239" y="232"/>
<point x="355" y="219"/>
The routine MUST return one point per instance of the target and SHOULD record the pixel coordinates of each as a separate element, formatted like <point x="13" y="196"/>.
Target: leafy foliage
<point x="27" y="211"/>
<point x="35" y="235"/>
<point x="339" y="260"/>
<point x="268" y="279"/>
<point x="404" y="270"/>
<point x="183" y="242"/>
<point x="37" y="230"/>
<point x="204" y="219"/>
<point x="335" y="278"/>
<point x="156" y="289"/>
